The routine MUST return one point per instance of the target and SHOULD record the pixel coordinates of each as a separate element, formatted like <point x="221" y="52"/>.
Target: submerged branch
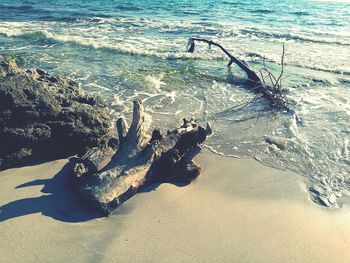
<point x="272" y="92"/>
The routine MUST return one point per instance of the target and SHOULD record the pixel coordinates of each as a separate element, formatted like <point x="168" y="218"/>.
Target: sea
<point x="123" y="50"/>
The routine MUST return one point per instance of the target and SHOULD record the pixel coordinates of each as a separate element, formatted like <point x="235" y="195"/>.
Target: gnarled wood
<point x="139" y="161"/>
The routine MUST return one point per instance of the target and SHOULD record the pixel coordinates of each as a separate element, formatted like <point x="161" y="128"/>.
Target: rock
<point x="45" y="117"/>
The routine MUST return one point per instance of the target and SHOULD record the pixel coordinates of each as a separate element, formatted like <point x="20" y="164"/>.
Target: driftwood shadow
<point x="59" y="201"/>
<point x="153" y="187"/>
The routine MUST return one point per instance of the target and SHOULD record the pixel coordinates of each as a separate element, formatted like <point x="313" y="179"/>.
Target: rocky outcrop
<point x="44" y="117"/>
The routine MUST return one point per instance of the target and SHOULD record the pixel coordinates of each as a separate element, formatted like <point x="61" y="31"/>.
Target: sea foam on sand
<point x="236" y="211"/>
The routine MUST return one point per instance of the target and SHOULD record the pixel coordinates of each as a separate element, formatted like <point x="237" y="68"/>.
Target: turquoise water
<point x="124" y="50"/>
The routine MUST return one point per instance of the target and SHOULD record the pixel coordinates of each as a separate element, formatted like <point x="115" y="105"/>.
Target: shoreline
<point x="237" y="210"/>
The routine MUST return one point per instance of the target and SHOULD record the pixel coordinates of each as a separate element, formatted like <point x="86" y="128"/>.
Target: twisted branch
<point x="273" y="92"/>
<point x="252" y="76"/>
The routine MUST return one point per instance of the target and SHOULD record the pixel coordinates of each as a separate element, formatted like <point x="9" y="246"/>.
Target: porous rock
<point x="44" y="117"/>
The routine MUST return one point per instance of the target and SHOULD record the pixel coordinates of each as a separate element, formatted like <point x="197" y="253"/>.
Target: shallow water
<point x="124" y="50"/>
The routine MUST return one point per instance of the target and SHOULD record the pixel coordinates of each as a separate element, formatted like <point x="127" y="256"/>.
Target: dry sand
<point x="236" y="211"/>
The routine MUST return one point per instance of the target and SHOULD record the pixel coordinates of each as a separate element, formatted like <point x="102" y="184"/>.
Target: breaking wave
<point x="163" y="49"/>
<point x="290" y="36"/>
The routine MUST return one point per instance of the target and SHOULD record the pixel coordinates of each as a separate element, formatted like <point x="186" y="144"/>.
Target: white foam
<point x="155" y="82"/>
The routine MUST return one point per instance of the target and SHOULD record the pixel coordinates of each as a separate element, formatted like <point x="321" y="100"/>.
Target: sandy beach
<point x="236" y="211"/>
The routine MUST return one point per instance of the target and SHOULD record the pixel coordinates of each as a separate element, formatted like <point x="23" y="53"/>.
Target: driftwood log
<point x="267" y="85"/>
<point x="140" y="160"/>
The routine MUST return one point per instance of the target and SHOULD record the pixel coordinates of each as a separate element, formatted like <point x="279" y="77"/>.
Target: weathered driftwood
<point x="272" y="91"/>
<point x="139" y="161"/>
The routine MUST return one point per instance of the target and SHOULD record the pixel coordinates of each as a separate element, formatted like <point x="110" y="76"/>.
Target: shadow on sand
<point x="59" y="201"/>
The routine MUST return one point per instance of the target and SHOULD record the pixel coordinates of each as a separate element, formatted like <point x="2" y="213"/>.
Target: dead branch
<point x="139" y="161"/>
<point x="279" y="80"/>
<point x="252" y="76"/>
<point x="273" y="92"/>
